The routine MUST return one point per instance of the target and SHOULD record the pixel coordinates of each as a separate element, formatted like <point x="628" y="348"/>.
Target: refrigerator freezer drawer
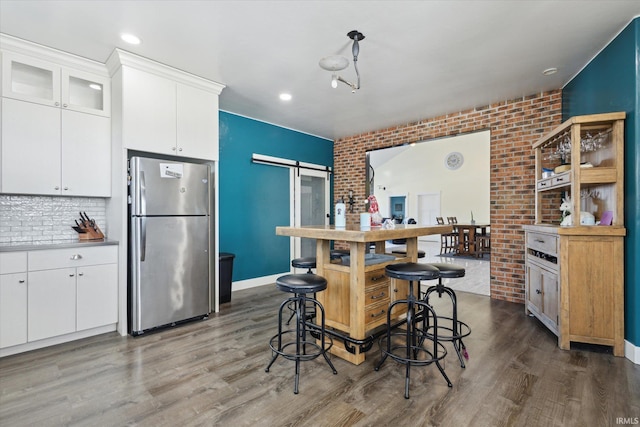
<point x="170" y="270"/>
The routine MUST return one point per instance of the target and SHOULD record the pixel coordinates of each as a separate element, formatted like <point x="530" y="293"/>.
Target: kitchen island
<point x="358" y="292"/>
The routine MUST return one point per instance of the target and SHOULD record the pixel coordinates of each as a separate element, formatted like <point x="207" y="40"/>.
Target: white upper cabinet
<point x="164" y="110"/>
<point x="86" y="92"/>
<point x="197" y="122"/>
<point x="33" y="80"/>
<point x="30" y="79"/>
<point x="148" y="112"/>
<point x="56" y="125"/>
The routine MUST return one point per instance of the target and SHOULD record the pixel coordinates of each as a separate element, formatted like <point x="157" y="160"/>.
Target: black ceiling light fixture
<point x="335" y="63"/>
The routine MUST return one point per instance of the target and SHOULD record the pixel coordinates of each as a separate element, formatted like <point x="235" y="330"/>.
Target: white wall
<point x="421" y="169"/>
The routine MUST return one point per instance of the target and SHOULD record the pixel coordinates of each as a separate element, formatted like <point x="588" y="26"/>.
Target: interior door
<point x="428" y="210"/>
<point x="311" y="206"/>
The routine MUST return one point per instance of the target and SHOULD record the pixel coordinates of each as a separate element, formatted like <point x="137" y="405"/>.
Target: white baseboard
<point x="632" y="352"/>
<point x="34" y="345"/>
<point x="254" y="283"/>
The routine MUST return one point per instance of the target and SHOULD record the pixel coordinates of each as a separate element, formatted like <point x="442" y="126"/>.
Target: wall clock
<point x="453" y="160"/>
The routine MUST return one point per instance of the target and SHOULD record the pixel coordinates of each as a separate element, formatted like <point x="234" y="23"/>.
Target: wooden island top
<point x="358" y="295"/>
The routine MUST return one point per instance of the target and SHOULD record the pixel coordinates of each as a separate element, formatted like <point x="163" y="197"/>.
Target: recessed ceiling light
<point x="550" y="71"/>
<point x="130" y="38"/>
<point x="285" y="96"/>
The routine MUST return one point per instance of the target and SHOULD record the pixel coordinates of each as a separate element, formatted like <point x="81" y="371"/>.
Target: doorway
<point x="398" y="208"/>
<point x="428" y="210"/>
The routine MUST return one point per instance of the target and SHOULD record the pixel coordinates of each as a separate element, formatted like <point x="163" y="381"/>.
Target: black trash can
<point x="226" y="272"/>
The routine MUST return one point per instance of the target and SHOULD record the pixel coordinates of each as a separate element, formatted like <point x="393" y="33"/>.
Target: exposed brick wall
<point x="515" y="125"/>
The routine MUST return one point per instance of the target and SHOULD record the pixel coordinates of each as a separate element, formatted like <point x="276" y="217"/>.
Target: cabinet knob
<point x="76" y="256"/>
<point x="173" y="148"/>
<point x="57" y="187"/>
<point x="71" y="275"/>
<point x="80" y="274"/>
<point x="179" y="149"/>
<point x="66" y="188"/>
<point x="57" y="104"/>
<point x="538" y="291"/>
<point x="65" y="105"/>
<point x="20" y="281"/>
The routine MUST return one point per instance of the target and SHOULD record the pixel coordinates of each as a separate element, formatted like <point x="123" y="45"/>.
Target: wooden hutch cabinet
<point x="574" y="282"/>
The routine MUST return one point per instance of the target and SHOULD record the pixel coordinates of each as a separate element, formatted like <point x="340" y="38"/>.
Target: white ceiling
<point x="419" y="58"/>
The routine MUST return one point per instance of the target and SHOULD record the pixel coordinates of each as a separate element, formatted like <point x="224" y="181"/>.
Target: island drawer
<point x="376" y="314"/>
<point x="377" y="294"/>
<point x="375" y="278"/>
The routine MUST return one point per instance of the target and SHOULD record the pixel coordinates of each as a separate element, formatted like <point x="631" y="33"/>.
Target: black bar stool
<point x="338" y="253"/>
<point x="410" y="347"/>
<point x="304" y="262"/>
<point x="449" y="328"/>
<point x="308" y="263"/>
<point x="302" y="336"/>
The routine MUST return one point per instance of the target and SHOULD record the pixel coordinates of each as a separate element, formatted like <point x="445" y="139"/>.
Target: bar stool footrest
<point x="398" y="352"/>
<point x="317" y="348"/>
<point x="446" y="333"/>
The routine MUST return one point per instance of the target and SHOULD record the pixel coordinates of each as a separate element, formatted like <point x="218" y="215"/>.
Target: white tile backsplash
<point x="46" y="218"/>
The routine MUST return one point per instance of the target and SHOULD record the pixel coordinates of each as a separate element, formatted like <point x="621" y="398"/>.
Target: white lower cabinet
<point x="96" y="296"/>
<point x="60" y="295"/>
<point x="13" y="309"/>
<point x="51" y="303"/>
<point x="13" y="298"/>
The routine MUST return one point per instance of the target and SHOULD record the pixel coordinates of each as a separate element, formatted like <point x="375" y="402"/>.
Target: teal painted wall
<point x="254" y="198"/>
<point x="611" y="82"/>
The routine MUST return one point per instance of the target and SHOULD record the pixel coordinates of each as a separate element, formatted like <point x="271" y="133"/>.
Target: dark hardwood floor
<point x="212" y="373"/>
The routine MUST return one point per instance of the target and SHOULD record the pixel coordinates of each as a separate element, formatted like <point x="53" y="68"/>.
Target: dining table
<point x="358" y="292"/>
<point x="467" y="236"/>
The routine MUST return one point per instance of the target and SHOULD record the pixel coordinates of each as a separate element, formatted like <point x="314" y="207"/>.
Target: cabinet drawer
<point x="546" y="243"/>
<point x="375" y="278"/>
<point x="561" y="179"/>
<point x="377" y="294"/>
<point x="543" y="184"/>
<point x="72" y="257"/>
<point x="376" y="314"/>
<point x="13" y="262"/>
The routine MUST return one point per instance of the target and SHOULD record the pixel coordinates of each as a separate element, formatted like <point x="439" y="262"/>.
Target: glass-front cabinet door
<point x="85" y="92"/>
<point x="30" y="79"/>
<point x="42" y="82"/>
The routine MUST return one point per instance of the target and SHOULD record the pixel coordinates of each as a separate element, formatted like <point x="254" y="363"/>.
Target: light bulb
<point x="334" y="81"/>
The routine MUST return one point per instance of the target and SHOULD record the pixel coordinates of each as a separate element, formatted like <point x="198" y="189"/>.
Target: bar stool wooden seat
<point x="412" y="347"/>
<point x="299" y="344"/>
<point x="448" y="328"/>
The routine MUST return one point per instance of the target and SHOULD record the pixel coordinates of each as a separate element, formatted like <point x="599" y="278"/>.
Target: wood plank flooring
<point x="211" y="373"/>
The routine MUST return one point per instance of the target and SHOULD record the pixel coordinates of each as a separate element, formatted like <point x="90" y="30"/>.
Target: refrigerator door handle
<point x="143" y="195"/>
<point x="143" y="238"/>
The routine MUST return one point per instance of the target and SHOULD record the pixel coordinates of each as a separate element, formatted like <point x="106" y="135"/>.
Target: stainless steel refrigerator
<point x="169" y="242"/>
